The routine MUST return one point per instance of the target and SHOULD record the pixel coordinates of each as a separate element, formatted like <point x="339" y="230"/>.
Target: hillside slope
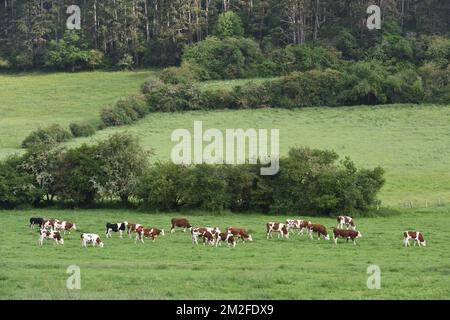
<point x="32" y="100"/>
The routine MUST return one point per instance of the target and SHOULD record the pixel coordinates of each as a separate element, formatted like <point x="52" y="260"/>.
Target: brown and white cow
<point x="320" y="229"/>
<point x="50" y="223"/>
<point x="345" y="221"/>
<point x="281" y="228"/>
<point x="180" y="222"/>
<point x="91" y="238"/>
<point x="300" y="225"/>
<point x="346" y="234"/>
<point x="51" y="235"/>
<point x="240" y="233"/>
<point x="64" y="225"/>
<point x="226" y="237"/>
<point x="416" y="236"/>
<point x="132" y="227"/>
<point x="208" y="234"/>
<point x="148" y="233"/>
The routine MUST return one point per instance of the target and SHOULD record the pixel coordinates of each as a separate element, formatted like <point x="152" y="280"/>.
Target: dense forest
<point x="154" y="32"/>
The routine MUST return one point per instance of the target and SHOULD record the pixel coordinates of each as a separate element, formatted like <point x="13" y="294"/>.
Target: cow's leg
<point x="136" y="239"/>
<point x="172" y="229"/>
<point x="120" y="232"/>
<point x="184" y="230"/>
<point x="335" y="240"/>
<point x="354" y="241"/>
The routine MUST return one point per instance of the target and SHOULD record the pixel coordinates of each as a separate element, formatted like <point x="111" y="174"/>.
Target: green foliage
<point x="309" y="181"/>
<point x="126" y="62"/>
<point x="229" y="24"/>
<point x="79" y="175"/>
<point x="170" y="98"/>
<point x="47" y="136"/>
<point x="312" y="88"/>
<point x="228" y="58"/>
<point x="363" y="83"/>
<point x="436" y="82"/>
<point x="127" y="110"/>
<point x="70" y="52"/>
<point x="16" y="186"/>
<point x="187" y="73"/>
<point x="439" y="51"/>
<point x="95" y="59"/>
<point x="81" y="130"/>
<point x="123" y="162"/>
<point x="313" y="57"/>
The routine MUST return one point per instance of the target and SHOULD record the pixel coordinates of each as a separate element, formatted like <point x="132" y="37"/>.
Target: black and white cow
<point x="116" y="227"/>
<point x="36" y="222"/>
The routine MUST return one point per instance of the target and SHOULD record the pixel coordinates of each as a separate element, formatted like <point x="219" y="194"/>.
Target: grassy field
<point x="172" y="268"/>
<point x="32" y="100"/>
<point x="411" y="142"/>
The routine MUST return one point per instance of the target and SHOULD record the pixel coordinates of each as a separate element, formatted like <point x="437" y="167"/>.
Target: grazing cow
<point x="226" y="237"/>
<point x="281" y="228"/>
<point x="50" y="223"/>
<point x="346" y="234"/>
<point x="240" y="233"/>
<point x="132" y="227"/>
<point x="207" y="233"/>
<point x="149" y="233"/>
<point x="36" y="221"/>
<point x="52" y="235"/>
<point x="320" y="229"/>
<point x="180" y="222"/>
<point x="91" y="238"/>
<point x="65" y="225"/>
<point x="115" y="227"/>
<point x="416" y="236"/>
<point x="345" y="221"/>
<point x="297" y="224"/>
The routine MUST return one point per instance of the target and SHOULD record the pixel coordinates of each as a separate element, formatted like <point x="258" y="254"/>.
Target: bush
<point x="170" y="98"/>
<point x="312" y="57"/>
<point x="81" y="129"/>
<point x="126" y="111"/>
<point x="228" y="58"/>
<point x="47" y="136"/>
<point x="312" y="88"/>
<point x="16" y="186"/>
<point x="186" y="74"/>
<point x="405" y="86"/>
<point x="149" y="85"/>
<point x="363" y="83"/>
<point x="439" y="51"/>
<point x="436" y="82"/>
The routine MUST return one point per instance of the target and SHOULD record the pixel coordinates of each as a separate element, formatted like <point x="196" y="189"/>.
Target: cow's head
<point x="249" y="238"/>
<point x="99" y="242"/>
<point x="162" y="232"/>
<point x="359" y="235"/>
<point x="74" y="227"/>
<point x="125" y="223"/>
<point x="61" y="241"/>
<point x="424" y="243"/>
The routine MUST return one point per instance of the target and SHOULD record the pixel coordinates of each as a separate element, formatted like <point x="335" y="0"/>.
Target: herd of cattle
<point x="346" y="229"/>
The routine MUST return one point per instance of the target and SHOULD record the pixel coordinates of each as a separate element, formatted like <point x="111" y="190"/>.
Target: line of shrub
<point x="55" y="133"/>
<point x="309" y="181"/>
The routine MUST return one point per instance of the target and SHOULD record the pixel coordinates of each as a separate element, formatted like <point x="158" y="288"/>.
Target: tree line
<point x="117" y="171"/>
<point x="124" y="33"/>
